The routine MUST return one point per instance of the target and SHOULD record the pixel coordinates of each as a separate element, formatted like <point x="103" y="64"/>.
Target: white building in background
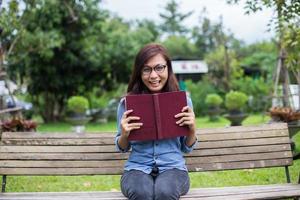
<point x="189" y="67"/>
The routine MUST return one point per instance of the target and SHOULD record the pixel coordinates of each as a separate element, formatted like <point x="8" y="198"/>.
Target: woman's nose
<point x="153" y="73"/>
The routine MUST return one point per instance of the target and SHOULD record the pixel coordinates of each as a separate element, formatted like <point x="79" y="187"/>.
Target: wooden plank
<point x="58" y="142"/>
<point x="56" y="149"/>
<point x="99" y="140"/>
<point x="249" y="196"/>
<point x="242" y="135"/>
<point x="61" y="164"/>
<point x="112" y="148"/>
<point x="236" y="129"/>
<point x="239" y="157"/>
<point x="57" y="135"/>
<point x="239" y="150"/>
<point x="244" y="129"/>
<point x="211" y="153"/>
<point x="62" y="171"/>
<point x="106" y="163"/>
<point x="243" y="189"/>
<point x="64" y="156"/>
<point x="239" y="143"/>
<point x="118" y="170"/>
<point x="239" y="165"/>
<point x="288" y="190"/>
<point x="116" y="155"/>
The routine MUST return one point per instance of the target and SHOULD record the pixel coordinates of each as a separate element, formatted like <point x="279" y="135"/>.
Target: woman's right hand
<point x="126" y="126"/>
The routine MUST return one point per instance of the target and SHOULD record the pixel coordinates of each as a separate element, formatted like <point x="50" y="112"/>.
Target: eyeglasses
<point x="146" y="71"/>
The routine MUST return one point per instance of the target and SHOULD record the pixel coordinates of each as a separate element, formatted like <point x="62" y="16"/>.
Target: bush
<point x="258" y="90"/>
<point x="77" y="104"/>
<point x="235" y="100"/>
<point x="213" y="100"/>
<point x="197" y="93"/>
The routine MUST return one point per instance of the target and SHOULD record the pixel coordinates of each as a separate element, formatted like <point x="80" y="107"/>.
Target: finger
<point x="186" y="123"/>
<point x="126" y="113"/>
<point x="135" y="128"/>
<point x="186" y="109"/>
<point x="135" y="125"/>
<point x="182" y="120"/>
<point x="183" y="114"/>
<point x="132" y="118"/>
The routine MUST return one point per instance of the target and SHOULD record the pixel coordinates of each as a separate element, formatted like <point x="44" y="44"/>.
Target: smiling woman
<point x="155" y="77"/>
<point x="155" y="164"/>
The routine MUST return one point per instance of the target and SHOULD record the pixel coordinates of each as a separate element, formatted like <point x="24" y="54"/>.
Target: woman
<point x="154" y="169"/>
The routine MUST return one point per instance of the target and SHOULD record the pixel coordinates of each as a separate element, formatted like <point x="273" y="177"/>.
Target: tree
<point x="287" y="13"/>
<point x="60" y="52"/>
<point x="204" y="35"/>
<point x="10" y="30"/>
<point x="180" y="47"/>
<point x="150" y="26"/>
<point x="172" y="19"/>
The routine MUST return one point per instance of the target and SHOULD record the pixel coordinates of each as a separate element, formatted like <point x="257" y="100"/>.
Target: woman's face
<point x="155" y="73"/>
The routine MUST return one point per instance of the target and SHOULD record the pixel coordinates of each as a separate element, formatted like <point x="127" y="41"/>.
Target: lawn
<point x="203" y="179"/>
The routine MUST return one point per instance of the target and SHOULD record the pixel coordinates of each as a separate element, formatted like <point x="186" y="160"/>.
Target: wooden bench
<point x="94" y="154"/>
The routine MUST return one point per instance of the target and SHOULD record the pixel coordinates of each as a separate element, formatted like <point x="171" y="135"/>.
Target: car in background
<point x="27" y="107"/>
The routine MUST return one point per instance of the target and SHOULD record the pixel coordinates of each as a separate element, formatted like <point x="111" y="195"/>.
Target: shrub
<point x="77" y="104"/>
<point x="258" y="90"/>
<point x="235" y="100"/>
<point x="197" y="93"/>
<point x="213" y="100"/>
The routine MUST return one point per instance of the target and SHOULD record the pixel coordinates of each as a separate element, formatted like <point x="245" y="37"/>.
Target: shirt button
<point x="156" y="144"/>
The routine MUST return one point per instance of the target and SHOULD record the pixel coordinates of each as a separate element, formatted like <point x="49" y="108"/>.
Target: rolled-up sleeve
<point x="121" y="110"/>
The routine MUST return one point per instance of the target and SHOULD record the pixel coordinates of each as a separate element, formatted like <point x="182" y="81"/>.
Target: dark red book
<point x="156" y="112"/>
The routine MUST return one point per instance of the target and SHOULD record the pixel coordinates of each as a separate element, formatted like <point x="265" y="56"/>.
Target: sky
<point x="249" y="28"/>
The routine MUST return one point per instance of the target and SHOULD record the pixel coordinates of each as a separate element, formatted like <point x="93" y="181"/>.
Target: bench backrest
<point x="32" y="153"/>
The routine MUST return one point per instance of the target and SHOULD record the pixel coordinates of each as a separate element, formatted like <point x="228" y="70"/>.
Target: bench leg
<point x="287" y="174"/>
<point x="3" y="183"/>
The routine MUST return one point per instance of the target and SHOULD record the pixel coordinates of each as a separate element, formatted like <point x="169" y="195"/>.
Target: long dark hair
<point x="136" y="85"/>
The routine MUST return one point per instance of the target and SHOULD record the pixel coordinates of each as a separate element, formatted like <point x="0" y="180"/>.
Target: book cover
<point x="156" y="112"/>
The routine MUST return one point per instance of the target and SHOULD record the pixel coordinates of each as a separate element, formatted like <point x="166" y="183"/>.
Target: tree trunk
<point x="226" y="68"/>
<point x="285" y="79"/>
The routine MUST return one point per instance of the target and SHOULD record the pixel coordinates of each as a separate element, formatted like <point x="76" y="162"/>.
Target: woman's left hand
<point x="187" y="117"/>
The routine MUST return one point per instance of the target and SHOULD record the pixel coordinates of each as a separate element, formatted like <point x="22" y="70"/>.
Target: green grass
<point x="203" y="179"/>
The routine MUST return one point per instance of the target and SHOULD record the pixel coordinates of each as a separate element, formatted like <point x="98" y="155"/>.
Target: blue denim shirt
<point x="165" y="154"/>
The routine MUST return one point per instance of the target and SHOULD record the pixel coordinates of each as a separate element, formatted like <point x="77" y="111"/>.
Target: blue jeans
<point x="168" y="185"/>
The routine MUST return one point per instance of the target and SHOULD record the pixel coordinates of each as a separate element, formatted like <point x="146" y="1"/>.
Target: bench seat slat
<point x="116" y="155"/>
<point x="56" y="135"/>
<point x="105" y="140"/>
<point x="63" y="156"/>
<point x="62" y="171"/>
<point x="244" y="192"/>
<point x="239" y="150"/>
<point x="247" y="142"/>
<point x="239" y="165"/>
<point x="59" y="163"/>
<point x="115" y="169"/>
<point x="240" y="157"/>
<point x="66" y="160"/>
<point x="112" y="148"/>
<point x="242" y="129"/>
